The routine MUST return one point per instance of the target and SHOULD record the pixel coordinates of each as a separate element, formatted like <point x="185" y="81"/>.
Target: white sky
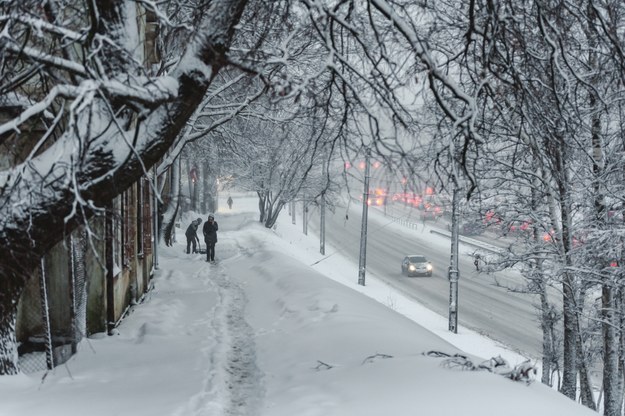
<point x="264" y="332"/>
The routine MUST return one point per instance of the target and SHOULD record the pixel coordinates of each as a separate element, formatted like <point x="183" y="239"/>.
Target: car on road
<point x="431" y="212"/>
<point x="416" y="265"/>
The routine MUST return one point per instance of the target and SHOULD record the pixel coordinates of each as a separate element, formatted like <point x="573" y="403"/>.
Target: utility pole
<point x="363" y="228"/>
<point x="322" y="229"/>
<point x="304" y="216"/>
<point x="454" y="273"/>
<point x="155" y="222"/>
<point x="322" y="219"/>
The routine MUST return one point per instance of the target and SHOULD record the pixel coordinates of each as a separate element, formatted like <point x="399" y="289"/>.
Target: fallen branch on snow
<point x="525" y="371"/>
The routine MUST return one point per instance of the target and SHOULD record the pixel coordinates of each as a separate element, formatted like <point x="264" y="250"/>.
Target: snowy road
<point x="502" y="315"/>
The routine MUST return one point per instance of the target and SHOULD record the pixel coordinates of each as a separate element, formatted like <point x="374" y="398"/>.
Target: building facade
<point x="89" y="281"/>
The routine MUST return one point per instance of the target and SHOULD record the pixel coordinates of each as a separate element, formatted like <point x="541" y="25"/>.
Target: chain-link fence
<point x="42" y="343"/>
<point x="32" y="345"/>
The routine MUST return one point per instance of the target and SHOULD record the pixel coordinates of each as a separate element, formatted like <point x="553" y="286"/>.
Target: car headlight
<point x="428" y="267"/>
<point x="412" y="268"/>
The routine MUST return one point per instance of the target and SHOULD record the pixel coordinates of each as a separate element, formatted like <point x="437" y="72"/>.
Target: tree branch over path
<point x="90" y="163"/>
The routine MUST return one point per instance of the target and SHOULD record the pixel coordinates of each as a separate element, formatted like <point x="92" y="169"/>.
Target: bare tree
<point x="552" y="100"/>
<point x="85" y="116"/>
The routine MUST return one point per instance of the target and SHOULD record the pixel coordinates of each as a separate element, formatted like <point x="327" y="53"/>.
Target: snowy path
<point x="233" y="385"/>
<point x="235" y="378"/>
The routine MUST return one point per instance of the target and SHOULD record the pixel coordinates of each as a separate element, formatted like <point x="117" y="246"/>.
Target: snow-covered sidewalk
<point x="264" y="332"/>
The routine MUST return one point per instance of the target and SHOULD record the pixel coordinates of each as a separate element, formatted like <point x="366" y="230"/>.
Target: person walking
<point x="476" y="262"/>
<point x="210" y="237"/>
<point x="191" y="234"/>
<point x="229" y="202"/>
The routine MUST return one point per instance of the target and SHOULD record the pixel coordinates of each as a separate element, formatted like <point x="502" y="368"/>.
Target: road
<point x="496" y="312"/>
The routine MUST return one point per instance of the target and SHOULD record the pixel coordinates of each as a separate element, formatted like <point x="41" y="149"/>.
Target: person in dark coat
<point x="191" y="234"/>
<point x="229" y="202"/>
<point x="210" y="237"/>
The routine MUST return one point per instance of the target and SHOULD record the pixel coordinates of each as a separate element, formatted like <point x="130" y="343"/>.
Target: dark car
<point x="416" y="265"/>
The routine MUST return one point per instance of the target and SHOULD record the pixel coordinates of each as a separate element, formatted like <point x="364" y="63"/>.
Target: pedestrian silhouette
<point x="191" y="234"/>
<point x="476" y="262"/>
<point x="210" y="237"/>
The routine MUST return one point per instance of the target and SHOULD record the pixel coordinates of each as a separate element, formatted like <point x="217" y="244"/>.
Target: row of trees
<point x="520" y="99"/>
<point x="554" y="142"/>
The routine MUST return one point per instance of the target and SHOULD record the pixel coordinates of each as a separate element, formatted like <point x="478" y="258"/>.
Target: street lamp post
<point x="454" y="273"/>
<point x="322" y="233"/>
<point x="322" y="219"/>
<point x="304" y="216"/>
<point x="363" y="229"/>
<point x="155" y="219"/>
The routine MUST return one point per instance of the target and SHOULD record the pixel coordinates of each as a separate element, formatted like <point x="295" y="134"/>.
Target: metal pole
<point x="454" y="273"/>
<point x="155" y="219"/>
<point x="322" y="219"/>
<point x="304" y="216"/>
<point x="72" y="291"/>
<point x="363" y="228"/>
<point x="293" y="211"/>
<point x="110" y="266"/>
<point x="322" y="233"/>
<point x="45" y="311"/>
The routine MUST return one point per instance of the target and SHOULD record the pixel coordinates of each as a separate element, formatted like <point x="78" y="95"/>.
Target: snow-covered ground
<point x="274" y="328"/>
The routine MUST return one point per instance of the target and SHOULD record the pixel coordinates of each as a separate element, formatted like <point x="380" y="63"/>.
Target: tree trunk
<point x="585" y="387"/>
<point x="621" y="367"/>
<point x="569" y="370"/>
<point x="611" y="380"/>
<point x="190" y="183"/>
<point x="547" y="323"/>
<point x="10" y="291"/>
<point x="206" y="189"/>
<point x="569" y="284"/>
<point x="548" y="316"/>
<point x="194" y="187"/>
<point x="262" y="203"/>
<point x="610" y="331"/>
<point x="274" y="213"/>
<point x="171" y="211"/>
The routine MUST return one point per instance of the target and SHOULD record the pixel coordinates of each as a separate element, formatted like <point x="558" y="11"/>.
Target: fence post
<point x="46" y="315"/>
